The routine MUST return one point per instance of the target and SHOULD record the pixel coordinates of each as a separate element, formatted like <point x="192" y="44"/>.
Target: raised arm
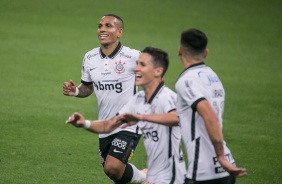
<point x="97" y="126"/>
<point x="216" y="136"/>
<point x="70" y="89"/>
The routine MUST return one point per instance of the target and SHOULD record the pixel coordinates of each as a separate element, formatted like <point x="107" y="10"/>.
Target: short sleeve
<point x="85" y="77"/>
<point x="191" y="91"/>
<point x="168" y="102"/>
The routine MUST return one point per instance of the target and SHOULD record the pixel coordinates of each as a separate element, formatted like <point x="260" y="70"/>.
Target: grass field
<point x="42" y="44"/>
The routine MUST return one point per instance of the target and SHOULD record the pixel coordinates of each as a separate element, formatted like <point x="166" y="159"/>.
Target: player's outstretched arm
<point x="169" y="119"/>
<point x="216" y="136"/>
<point x="97" y="126"/>
<point x="70" y="89"/>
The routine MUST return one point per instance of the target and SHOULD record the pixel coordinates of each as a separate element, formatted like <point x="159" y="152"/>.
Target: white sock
<point x="138" y="176"/>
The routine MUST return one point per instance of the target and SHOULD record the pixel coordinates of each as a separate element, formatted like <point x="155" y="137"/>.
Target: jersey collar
<point x="201" y="64"/>
<point x="113" y="54"/>
<point x="195" y="65"/>
<point x="155" y="92"/>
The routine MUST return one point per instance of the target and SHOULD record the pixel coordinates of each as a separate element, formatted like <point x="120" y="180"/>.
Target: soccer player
<point x="200" y="106"/>
<point x="154" y="110"/>
<point x="108" y="71"/>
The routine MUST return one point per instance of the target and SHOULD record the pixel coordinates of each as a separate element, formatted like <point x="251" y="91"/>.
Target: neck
<point x="187" y="62"/>
<point x="107" y="49"/>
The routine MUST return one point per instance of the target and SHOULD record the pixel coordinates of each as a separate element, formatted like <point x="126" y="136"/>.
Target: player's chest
<point x="148" y="108"/>
<point x="111" y="68"/>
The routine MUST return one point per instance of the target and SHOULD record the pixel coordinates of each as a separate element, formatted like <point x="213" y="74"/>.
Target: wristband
<point x="87" y="124"/>
<point x="76" y="91"/>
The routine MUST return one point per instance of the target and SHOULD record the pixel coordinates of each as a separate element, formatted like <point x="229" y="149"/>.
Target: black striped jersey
<point x="196" y="83"/>
<point x="162" y="143"/>
<point x="112" y="78"/>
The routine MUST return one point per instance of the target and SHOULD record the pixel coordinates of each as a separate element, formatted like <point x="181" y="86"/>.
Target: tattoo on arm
<point x="218" y="146"/>
<point x="84" y="90"/>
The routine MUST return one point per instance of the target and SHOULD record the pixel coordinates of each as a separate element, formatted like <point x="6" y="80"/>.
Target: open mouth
<point x="138" y="76"/>
<point x="103" y="36"/>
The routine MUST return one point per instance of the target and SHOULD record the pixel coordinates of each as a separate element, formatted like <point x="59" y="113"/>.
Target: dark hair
<point x="117" y="17"/>
<point x="160" y="57"/>
<point x="194" y="40"/>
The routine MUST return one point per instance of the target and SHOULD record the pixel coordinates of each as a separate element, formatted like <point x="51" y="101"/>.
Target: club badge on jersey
<point x="119" y="69"/>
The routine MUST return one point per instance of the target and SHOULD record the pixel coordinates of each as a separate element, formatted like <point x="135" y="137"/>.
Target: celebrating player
<point x="109" y="71"/>
<point x="200" y="105"/>
<point x="154" y="110"/>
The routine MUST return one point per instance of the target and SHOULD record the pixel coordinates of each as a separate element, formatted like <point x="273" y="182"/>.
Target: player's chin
<point x="138" y="82"/>
<point x="104" y="42"/>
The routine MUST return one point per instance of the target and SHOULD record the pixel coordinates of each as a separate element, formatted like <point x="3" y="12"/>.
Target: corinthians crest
<point x="119" y="69"/>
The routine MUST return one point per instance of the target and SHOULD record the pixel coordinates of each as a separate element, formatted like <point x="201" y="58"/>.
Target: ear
<point x="120" y="31"/>
<point x="179" y="51"/>
<point x="206" y="53"/>
<point x="158" y="71"/>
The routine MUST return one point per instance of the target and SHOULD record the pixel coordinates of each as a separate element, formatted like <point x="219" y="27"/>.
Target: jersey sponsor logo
<point x="217" y="93"/>
<point x="220" y="169"/>
<point x="119" y="143"/>
<point x="150" y="134"/>
<point x="123" y="55"/>
<point x="91" y="55"/>
<point x="119" y="69"/>
<point x="210" y="79"/>
<point x="116" y="151"/>
<point x="106" y="73"/>
<point x="191" y="93"/>
<point x="108" y="86"/>
<point x="218" y="108"/>
<point x="215" y="108"/>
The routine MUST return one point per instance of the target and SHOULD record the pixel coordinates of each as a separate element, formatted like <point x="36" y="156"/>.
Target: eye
<point x="108" y="25"/>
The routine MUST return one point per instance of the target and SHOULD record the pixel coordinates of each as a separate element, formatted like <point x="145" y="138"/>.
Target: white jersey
<point x="162" y="143"/>
<point x="196" y="83"/>
<point x="112" y="78"/>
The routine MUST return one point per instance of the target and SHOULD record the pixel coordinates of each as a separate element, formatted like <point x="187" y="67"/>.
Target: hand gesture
<point x="232" y="169"/>
<point x="76" y="120"/>
<point x="130" y="119"/>
<point x="69" y="88"/>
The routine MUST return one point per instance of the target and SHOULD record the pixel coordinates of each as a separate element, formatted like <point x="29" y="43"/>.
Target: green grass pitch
<point x="42" y="44"/>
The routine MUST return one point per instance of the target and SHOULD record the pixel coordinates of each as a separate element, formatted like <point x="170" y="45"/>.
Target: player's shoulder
<point x="188" y="75"/>
<point x="167" y="91"/>
<point x="129" y="52"/>
<point x="126" y="48"/>
<point x="92" y="53"/>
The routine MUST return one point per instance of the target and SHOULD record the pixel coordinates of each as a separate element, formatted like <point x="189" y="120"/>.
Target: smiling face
<point x="146" y="74"/>
<point x="109" y="30"/>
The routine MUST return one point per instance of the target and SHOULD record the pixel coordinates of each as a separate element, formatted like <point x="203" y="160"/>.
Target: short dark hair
<point x="160" y="57"/>
<point x="194" y="41"/>
<point x="117" y="17"/>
